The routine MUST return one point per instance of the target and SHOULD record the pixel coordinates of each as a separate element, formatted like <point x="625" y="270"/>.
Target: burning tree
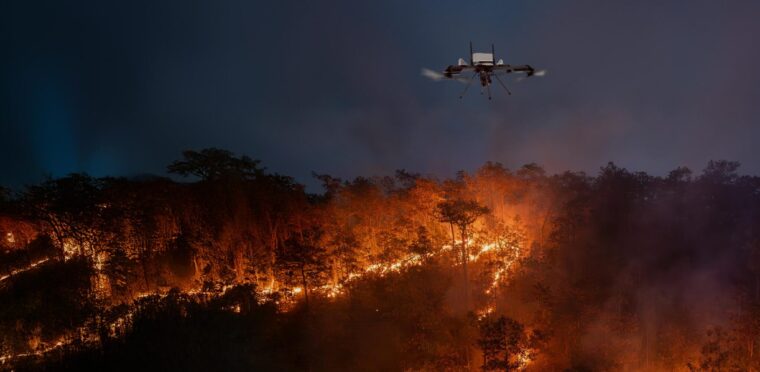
<point x="303" y="261"/>
<point x="462" y="214"/>
<point x="69" y="207"/>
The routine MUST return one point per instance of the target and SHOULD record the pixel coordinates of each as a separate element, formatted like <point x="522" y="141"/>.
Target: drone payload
<point x="483" y="58"/>
<point x="483" y="65"/>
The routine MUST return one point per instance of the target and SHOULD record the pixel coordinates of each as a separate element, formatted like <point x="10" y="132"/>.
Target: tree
<point x="69" y="206"/>
<point x="213" y="164"/>
<point x="303" y="261"/>
<point x="332" y="185"/>
<point x="502" y="340"/>
<point x="422" y="245"/>
<point x="721" y="171"/>
<point x="531" y="171"/>
<point x="462" y="214"/>
<point x="717" y="352"/>
<point x="118" y="268"/>
<point x="679" y="175"/>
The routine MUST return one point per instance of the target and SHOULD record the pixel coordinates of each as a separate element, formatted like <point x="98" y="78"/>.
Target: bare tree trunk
<point x="543" y="226"/>
<point x="465" y="259"/>
<point x="453" y="238"/>
<point x="144" y="264"/>
<point x="305" y="287"/>
<point x="750" y="349"/>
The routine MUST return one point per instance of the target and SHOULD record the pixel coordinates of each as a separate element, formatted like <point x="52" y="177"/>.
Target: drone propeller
<point x="437" y="76"/>
<point x="432" y="75"/>
<point x="538" y="73"/>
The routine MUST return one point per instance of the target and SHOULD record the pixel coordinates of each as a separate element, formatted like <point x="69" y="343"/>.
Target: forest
<point x="227" y="266"/>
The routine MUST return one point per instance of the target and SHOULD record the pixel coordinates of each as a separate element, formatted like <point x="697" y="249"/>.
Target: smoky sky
<point x="121" y="88"/>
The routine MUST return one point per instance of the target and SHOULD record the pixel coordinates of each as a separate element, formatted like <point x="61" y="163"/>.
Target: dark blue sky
<point x="121" y="88"/>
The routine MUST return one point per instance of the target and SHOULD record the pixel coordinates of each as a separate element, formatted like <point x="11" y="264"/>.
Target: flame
<point x="264" y="294"/>
<point x="70" y="249"/>
<point x="21" y="270"/>
<point x="523" y="359"/>
<point x="483" y="249"/>
<point x="485" y="312"/>
<point x="40" y="351"/>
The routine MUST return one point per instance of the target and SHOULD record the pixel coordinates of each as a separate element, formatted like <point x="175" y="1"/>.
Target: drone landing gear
<point x="502" y="84"/>
<point x="487" y="86"/>
<point x="467" y="86"/>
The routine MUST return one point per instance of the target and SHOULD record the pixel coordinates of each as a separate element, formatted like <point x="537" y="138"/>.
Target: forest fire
<point x="381" y="223"/>
<point x="507" y="264"/>
<point x="119" y="325"/>
<point x="39" y="352"/>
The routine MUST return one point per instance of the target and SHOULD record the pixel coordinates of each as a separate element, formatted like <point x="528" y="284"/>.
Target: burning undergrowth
<point x="242" y="269"/>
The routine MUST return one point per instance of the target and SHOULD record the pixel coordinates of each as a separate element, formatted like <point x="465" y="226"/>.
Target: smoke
<point x="341" y="80"/>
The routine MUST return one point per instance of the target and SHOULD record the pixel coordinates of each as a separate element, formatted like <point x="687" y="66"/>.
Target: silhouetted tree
<point x="69" y="206"/>
<point x="502" y="340"/>
<point x="717" y="353"/>
<point x="213" y="164"/>
<point x="118" y="269"/>
<point x="462" y="214"/>
<point x="303" y="261"/>
<point x="422" y="245"/>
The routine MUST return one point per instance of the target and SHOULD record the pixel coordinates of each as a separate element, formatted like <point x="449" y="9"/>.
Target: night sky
<point x="121" y="88"/>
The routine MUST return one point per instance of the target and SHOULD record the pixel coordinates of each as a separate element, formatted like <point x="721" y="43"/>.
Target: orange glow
<point x="19" y="271"/>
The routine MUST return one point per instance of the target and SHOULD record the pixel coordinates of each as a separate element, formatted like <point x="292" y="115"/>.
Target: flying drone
<point x="483" y="65"/>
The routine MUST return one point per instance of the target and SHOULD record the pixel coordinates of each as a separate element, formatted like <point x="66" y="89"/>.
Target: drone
<point x="483" y="65"/>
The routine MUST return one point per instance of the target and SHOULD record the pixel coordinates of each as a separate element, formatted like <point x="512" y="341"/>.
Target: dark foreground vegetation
<point x="241" y="269"/>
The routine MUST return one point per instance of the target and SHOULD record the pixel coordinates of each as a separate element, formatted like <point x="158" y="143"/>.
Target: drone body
<point x="483" y="65"/>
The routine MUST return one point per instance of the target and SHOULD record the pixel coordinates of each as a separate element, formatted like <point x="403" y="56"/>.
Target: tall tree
<point x="462" y="214"/>
<point x="118" y="268"/>
<point x="303" y="261"/>
<point x="69" y="206"/>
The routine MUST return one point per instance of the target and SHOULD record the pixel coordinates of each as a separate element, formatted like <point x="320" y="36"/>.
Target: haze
<point x="335" y="87"/>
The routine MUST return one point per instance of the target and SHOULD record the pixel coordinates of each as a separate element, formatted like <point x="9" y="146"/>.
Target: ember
<point x="486" y="280"/>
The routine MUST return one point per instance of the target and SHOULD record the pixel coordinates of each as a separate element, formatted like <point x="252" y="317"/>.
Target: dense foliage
<point x="240" y="269"/>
